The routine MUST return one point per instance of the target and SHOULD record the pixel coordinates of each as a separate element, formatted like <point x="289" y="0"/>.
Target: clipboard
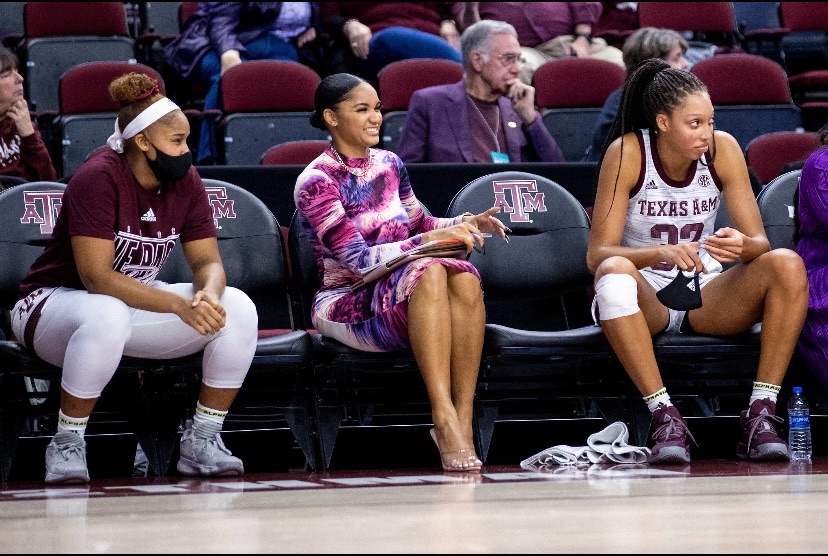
<point x="437" y="248"/>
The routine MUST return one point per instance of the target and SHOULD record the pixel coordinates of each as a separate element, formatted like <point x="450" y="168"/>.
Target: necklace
<point x="355" y="171"/>
<point x="485" y="121"/>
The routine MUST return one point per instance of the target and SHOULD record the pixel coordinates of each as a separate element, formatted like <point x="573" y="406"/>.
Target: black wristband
<point x="587" y="36"/>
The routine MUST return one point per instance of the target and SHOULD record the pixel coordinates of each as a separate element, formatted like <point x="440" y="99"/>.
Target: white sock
<point x="207" y="422"/>
<point x="656" y="398"/>
<point x="74" y="424"/>
<point x="764" y="390"/>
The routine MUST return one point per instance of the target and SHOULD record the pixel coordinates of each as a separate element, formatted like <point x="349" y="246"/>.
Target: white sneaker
<point x="208" y="458"/>
<point x="66" y="459"/>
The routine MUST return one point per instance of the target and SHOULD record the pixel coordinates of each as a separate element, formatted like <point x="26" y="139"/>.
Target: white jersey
<point x="665" y="211"/>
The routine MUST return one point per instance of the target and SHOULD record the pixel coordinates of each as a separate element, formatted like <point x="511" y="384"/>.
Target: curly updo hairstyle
<point x="133" y="92"/>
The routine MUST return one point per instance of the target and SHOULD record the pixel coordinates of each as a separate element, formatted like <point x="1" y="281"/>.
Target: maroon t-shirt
<point x="104" y="200"/>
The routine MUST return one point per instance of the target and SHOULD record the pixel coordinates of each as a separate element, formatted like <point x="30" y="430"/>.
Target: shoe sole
<point x="670" y="455"/>
<point x="192" y="469"/>
<point x="66" y="480"/>
<point x="767" y="452"/>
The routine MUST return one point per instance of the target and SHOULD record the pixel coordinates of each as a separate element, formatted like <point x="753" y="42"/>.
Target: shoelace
<point x="673" y="427"/>
<point x="756" y="421"/>
<point x="76" y="451"/>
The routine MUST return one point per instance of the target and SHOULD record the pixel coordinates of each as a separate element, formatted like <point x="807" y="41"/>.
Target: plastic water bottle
<point x="799" y="426"/>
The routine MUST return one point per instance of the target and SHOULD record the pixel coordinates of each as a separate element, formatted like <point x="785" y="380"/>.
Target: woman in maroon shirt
<point x="22" y="151"/>
<point x="93" y="295"/>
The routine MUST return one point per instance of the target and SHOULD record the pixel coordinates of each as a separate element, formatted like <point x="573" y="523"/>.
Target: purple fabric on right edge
<point x="812" y="246"/>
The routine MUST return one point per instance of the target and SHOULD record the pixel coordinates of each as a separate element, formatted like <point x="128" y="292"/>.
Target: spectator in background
<point x="23" y="153"/>
<point x="647" y="42"/>
<point x="221" y="35"/>
<point x="812" y="246"/>
<point x="617" y="22"/>
<point x="374" y="34"/>
<point x="546" y="30"/>
<point x="489" y="116"/>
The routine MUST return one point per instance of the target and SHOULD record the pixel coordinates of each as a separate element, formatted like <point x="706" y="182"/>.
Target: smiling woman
<point x="661" y="182"/>
<point x="358" y="209"/>
<point x="22" y="150"/>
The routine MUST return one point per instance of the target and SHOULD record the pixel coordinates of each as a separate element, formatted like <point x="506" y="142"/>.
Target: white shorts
<point x="659" y="280"/>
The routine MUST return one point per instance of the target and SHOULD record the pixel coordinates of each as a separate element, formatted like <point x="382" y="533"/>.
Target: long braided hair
<point x="652" y="88"/>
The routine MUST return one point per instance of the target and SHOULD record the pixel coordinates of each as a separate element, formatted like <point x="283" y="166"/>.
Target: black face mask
<point x="170" y="168"/>
<point x="682" y="294"/>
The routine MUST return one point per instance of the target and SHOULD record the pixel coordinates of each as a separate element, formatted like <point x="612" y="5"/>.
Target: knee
<point x="112" y="320"/>
<point x="433" y="282"/>
<point x="614" y="265"/>
<point x="241" y="311"/>
<point x="787" y="270"/>
<point x="465" y="289"/>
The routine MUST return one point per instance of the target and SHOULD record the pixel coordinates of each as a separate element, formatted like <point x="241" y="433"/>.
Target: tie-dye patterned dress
<point x="354" y="222"/>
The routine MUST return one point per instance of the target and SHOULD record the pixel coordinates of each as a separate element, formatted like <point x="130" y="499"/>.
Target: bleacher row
<point x="65" y="46"/>
<point x="543" y="357"/>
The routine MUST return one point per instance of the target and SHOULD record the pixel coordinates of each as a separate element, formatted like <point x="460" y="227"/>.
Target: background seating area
<point x="308" y="392"/>
<point x="768" y="75"/>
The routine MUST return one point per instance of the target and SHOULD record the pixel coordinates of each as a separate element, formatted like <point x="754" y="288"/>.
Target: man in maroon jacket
<point x="22" y="150"/>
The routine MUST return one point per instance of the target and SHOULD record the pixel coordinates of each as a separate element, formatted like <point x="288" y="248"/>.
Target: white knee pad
<point x="616" y="296"/>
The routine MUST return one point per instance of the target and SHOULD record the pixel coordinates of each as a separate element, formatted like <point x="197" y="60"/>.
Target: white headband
<point x="149" y="116"/>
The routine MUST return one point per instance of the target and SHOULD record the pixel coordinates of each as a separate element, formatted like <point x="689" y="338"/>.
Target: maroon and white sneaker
<point x="670" y="436"/>
<point x="760" y="440"/>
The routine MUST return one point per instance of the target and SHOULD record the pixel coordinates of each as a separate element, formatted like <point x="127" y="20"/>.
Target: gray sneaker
<point x="208" y="458"/>
<point x="66" y="459"/>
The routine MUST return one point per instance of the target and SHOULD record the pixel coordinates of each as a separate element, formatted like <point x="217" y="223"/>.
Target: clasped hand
<point x="204" y="313"/>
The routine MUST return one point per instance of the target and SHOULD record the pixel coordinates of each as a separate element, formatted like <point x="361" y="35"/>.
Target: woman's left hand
<point x="725" y="245"/>
<point x="486" y="223"/>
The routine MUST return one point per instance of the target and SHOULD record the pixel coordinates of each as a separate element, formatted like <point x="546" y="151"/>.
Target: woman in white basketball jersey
<point x="662" y="179"/>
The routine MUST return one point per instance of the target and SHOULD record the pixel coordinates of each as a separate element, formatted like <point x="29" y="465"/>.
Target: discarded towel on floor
<point x="606" y="446"/>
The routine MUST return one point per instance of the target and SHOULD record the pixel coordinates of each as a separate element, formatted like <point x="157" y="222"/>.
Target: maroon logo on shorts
<point x="222" y="206"/>
<point x="41" y="207"/>
<point x="523" y="198"/>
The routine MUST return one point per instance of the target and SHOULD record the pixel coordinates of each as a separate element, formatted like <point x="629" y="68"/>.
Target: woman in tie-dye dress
<point x="358" y="209"/>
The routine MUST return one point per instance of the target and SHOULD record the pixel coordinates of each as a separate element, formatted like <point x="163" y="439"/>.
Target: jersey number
<point x="688" y="232"/>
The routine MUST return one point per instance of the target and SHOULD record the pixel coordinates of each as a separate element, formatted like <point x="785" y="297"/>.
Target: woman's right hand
<point x="358" y="36"/>
<point x="229" y="59"/>
<point x="683" y="255"/>
<point x="465" y="232"/>
<point x="203" y="312"/>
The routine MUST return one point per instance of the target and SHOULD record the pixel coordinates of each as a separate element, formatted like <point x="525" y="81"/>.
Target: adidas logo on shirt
<point x="651" y="185"/>
<point x="691" y="286"/>
<point x="149" y="216"/>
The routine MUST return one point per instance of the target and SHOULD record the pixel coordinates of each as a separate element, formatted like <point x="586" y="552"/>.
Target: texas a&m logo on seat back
<point x="221" y="205"/>
<point x="42" y="208"/>
<point x="519" y="198"/>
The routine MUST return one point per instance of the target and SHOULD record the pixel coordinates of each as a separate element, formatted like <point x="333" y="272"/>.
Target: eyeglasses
<point x="507" y="60"/>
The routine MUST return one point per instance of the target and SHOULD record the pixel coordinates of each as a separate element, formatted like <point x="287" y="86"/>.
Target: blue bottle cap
<point x="797" y="389"/>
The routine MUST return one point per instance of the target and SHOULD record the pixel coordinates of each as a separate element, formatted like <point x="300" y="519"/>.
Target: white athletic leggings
<point x="87" y="334"/>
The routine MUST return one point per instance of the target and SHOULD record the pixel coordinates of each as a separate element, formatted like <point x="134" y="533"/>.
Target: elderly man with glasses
<point x="487" y="117"/>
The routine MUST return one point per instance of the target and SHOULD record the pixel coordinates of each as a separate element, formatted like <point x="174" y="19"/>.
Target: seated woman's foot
<point x="462" y="460"/>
